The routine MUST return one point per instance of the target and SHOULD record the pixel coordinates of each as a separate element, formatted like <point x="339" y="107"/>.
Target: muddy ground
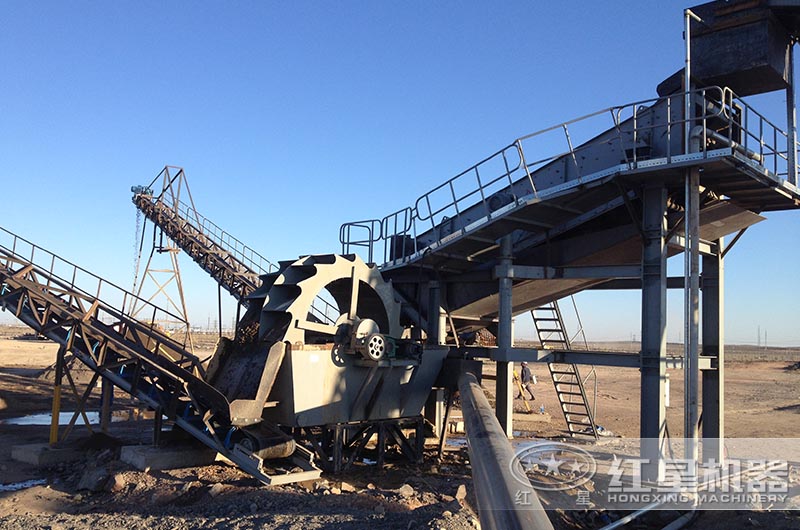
<point x="99" y="491"/>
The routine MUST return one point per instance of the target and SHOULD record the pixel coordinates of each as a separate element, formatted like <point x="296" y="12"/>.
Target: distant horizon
<point x="517" y="341"/>
<point x="291" y="119"/>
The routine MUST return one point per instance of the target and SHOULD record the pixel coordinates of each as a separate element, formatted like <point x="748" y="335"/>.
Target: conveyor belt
<point x="81" y="314"/>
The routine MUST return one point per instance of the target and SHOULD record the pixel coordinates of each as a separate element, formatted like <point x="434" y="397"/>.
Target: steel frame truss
<point x="339" y="446"/>
<point x="135" y="357"/>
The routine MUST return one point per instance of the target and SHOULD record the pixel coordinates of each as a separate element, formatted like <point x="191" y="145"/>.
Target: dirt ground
<point x="99" y="491"/>
<point x="762" y="400"/>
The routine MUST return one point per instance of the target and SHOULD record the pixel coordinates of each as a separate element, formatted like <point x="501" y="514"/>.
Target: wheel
<point x="376" y="348"/>
<point x="365" y="304"/>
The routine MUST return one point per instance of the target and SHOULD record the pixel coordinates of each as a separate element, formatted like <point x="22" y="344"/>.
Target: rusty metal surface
<point x="80" y="311"/>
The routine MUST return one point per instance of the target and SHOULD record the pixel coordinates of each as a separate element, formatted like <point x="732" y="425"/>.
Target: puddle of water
<point x="16" y="486"/>
<point x="44" y="418"/>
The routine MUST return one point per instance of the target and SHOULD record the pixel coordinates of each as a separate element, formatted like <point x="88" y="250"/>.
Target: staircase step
<point x="577" y="414"/>
<point x="566" y="379"/>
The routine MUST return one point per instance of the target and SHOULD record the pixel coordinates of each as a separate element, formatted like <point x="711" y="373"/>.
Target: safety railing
<point x="245" y="255"/>
<point x="643" y="131"/>
<point x="65" y="279"/>
<point x="249" y="261"/>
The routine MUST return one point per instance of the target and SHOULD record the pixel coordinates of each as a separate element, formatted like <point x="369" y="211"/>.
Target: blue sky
<point x="291" y="118"/>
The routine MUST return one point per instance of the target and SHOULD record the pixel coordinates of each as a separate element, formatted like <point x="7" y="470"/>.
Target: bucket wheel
<point x="365" y="304"/>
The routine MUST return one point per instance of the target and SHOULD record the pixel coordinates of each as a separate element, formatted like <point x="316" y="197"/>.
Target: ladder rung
<point x="559" y="372"/>
<point x="545" y="319"/>
<point x="566" y="393"/>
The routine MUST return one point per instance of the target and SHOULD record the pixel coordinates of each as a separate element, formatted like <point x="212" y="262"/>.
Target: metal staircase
<point x="81" y="312"/>
<point x="569" y="385"/>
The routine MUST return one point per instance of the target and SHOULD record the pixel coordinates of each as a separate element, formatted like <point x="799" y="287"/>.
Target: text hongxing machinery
<point x="330" y="350"/>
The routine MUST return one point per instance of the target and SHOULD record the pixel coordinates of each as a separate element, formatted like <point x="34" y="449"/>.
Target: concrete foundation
<point x="42" y="455"/>
<point x="144" y="456"/>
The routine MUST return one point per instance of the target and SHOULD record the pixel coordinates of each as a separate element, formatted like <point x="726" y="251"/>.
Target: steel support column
<point x="158" y="424"/>
<point x="714" y="348"/>
<point x="791" y="120"/>
<point x="106" y="400"/>
<point x="691" y="352"/>
<point x="56" y="411"/>
<point x="434" y="410"/>
<point x="434" y="331"/>
<point x="505" y="369"/>
<point x="654" y="320"/>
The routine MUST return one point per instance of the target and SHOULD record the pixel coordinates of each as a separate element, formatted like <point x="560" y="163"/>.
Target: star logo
<point x="552" y="464"/>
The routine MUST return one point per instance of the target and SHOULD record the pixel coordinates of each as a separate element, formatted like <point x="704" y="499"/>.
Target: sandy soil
<point x="762" y="401"/>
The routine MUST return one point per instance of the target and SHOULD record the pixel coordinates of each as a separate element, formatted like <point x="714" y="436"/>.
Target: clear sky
<point x="291" y="118"/>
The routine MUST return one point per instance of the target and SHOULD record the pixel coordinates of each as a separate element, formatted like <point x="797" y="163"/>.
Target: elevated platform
<point x="577" y="215"/>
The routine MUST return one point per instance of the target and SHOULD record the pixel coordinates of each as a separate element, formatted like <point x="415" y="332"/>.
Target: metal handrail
<point x="252" y="261"/>
<point x="749" y="132"/>
<point x="86" y="284"/>
<point x="248" y="257"/>
<point x="482" y="185"/>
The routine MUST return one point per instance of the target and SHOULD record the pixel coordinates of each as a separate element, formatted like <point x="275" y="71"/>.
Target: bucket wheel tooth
<point x="358" y="291"/>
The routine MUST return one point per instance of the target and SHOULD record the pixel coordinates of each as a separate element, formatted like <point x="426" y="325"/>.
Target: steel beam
<point x="654" y="324"/>
<point x="526" y="272"/>
<point x="496" y="474"/>
<point x="505" y="369"/>
<point x="704" y="247"/>
<point x="586" y="357"/>
<point x="713" y="350"/>
<point x="622" y="284"/>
